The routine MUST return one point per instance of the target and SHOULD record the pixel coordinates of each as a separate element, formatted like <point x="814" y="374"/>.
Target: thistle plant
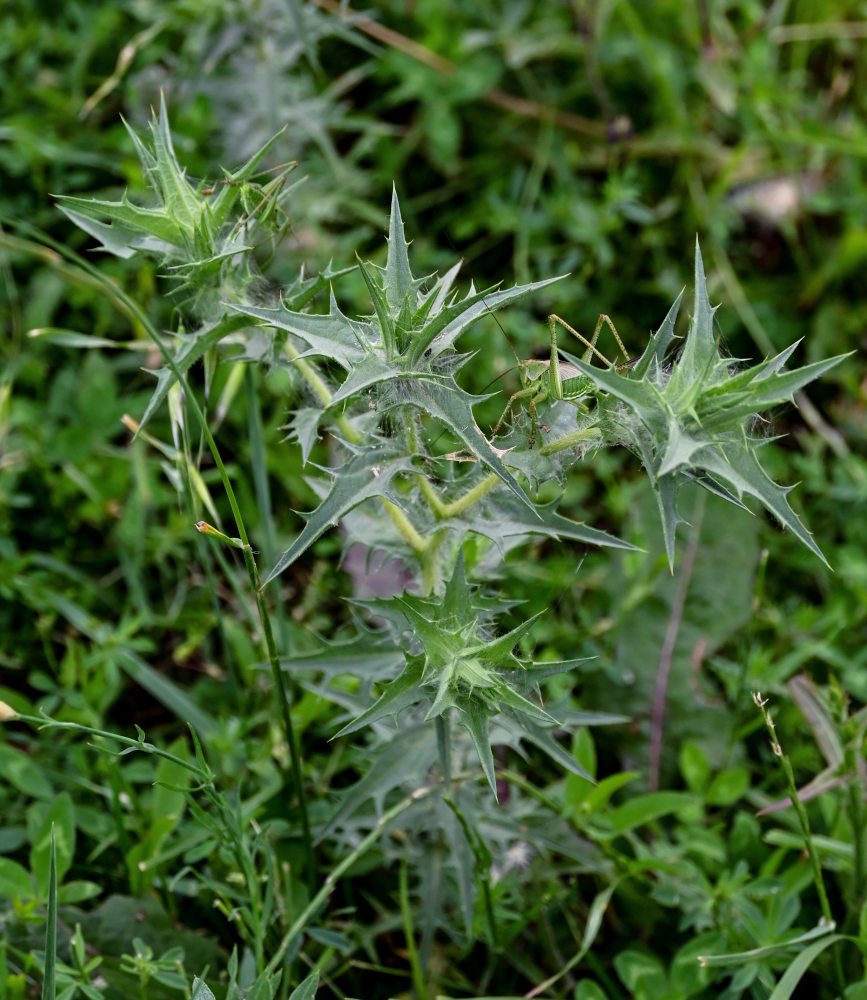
<point x="411" y="475"/>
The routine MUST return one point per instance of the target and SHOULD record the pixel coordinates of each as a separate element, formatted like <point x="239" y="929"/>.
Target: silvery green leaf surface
<point x="330" y="335"/>
<point x="691" y="419"/>
<point x="449" y="404"/>
<point x="366" y="475"/>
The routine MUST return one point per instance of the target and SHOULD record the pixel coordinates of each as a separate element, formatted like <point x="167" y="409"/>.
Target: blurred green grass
<point x="533" y="139"/>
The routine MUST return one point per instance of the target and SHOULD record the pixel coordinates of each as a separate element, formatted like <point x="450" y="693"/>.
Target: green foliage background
<point x="530" y="139"/>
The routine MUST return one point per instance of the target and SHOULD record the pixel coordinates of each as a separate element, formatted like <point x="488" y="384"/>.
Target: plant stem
<point x="444" y="747"/>
<point x="856" y="818"/>
<point x="46" y="722"/>
<point x="804" y="822"/>
<point x="800" y="811"/>
<point x="321" y="897"/>
<point x="439" y="508"/>
<point x="570" y="440"/>
<point x="130" y="306"/>
<point x="407" y="529"/>
<point x="666" y="653"/>
<point x="279" y="680"/>
<point x="431" y="571"/>
<point x="481" y="489"/>
<point x="409" y="935"/>
<point x="260" y="482"/>
<point x="310" y="375"/>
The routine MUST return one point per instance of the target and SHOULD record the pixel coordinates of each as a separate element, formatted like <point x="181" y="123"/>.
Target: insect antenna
<point x="497" y="378"/>
<point x="465" y="263"/>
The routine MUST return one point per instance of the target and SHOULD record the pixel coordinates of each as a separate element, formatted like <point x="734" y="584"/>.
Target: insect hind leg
<point x="592" y="349"/>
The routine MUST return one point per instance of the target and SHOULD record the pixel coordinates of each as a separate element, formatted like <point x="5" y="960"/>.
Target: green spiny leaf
<point x="657" y="346"/>
<point x="367" y="475"/>
<point x="381" y="308"/>
<point x="131" y="219"/>
<point x="739" y="467"/>
<point x="501" y="518"/>
<point x="403" y="691"/>
<point x="442" y="331"/>
<point x="399" y="282"/>
<point x="330" y="336"/>
<point x="499" y="649"/>
<point x="450" y="405"/>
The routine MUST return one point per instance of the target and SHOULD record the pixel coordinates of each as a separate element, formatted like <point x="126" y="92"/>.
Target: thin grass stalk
<point x="205" y="555"/>
<point x="49" y="978"/>
<point x="418" y="980"/>
<point x="46" y="722"/>
<point x="321" y="897"/>
<point x="804" y="822"/>
<point x="259" y="467"/>
<point x="444" y="749"/>
<point x="131" y="307"/>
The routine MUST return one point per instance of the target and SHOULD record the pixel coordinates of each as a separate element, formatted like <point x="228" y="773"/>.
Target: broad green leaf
<point x="15" y="880"/>
<point x="306" y="989"/>
<point x="642" y="974"/>
<point x="201" y="990"/>
<point x="728" y="787"/>
<point x="600" y="795"/>
<point x="694" y="766"/>
<point x="686" y="975"/>
<point x="642" y="810"/>
<point x="331" y="939"/>
<point x="587" y="989"/>
<point x="53" y="847"/>
<point x="23" y="773"/>
<point x="78" y="891"/>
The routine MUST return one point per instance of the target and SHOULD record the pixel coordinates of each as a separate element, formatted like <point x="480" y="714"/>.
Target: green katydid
<point x="551" y="379"/>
